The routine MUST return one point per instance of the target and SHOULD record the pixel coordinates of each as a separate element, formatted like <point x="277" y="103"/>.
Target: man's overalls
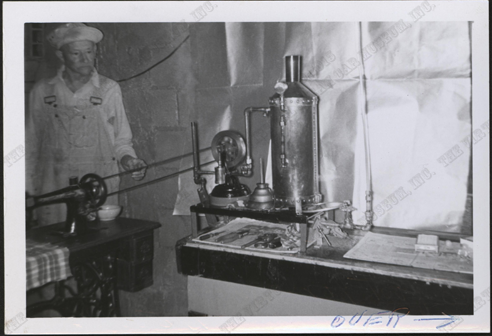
<point x="75" y="142"/>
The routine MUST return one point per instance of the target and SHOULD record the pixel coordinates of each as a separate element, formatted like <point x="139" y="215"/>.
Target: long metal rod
<point x="367" y="147"/>
<point x="196" y="158"/>
<point x="157" y="180"/>
<point x="72" y="188"/>
<point x="155" y="164"/>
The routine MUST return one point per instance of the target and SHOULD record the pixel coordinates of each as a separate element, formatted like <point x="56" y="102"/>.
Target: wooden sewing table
<point x="113" y="255"/>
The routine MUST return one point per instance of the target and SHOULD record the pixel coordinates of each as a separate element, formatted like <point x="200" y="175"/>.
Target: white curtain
<point x="417" y="98"/>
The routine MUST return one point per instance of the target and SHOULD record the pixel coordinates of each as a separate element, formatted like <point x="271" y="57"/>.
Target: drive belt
<point x="155" y="180"/>
<point x="155" y="164"/>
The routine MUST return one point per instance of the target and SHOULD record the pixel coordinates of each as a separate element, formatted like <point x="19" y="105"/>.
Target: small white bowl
<point x="108" y="212"/>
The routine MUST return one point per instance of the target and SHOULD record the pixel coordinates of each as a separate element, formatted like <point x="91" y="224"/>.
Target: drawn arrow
<point x="450" y="319"/>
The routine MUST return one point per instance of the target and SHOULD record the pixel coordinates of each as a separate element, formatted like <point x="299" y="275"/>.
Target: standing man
<point x="76" y="123"/>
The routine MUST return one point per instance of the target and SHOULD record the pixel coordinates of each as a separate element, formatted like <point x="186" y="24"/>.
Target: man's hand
<point x="131" y="163"/>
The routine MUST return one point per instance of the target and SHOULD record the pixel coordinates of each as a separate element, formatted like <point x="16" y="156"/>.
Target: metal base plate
<point x="320" y="207"/>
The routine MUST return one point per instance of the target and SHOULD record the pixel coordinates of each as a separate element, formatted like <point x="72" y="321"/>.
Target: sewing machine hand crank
<point x="82" y="198"/>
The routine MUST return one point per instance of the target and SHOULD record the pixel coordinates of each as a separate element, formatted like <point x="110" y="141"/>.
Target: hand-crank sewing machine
<point x="82" y="199"/>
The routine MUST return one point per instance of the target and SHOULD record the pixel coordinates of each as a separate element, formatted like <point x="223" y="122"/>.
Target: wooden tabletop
<point x="332" y="257"/>
<point x="100" y="232"/>
<point x="335" y="254"/>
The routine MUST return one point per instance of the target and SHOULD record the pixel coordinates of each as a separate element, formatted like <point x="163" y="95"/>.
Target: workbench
<point x="324" y="273"/>
<point x="110" y="255"/>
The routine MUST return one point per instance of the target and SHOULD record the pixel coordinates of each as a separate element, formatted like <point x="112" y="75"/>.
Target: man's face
<point x="79" y="56"/>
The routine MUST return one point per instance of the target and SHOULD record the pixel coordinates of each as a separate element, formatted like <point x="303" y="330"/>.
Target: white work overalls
<point x="75" y="142"/>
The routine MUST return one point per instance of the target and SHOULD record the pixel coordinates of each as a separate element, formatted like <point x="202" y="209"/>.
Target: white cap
<point x="72" y="32"/>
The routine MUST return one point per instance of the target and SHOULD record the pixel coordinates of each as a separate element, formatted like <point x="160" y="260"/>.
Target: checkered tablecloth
<point x="45" y="263"/>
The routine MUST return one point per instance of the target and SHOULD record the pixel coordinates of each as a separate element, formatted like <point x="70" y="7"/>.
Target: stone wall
<point x="158" y="105"/>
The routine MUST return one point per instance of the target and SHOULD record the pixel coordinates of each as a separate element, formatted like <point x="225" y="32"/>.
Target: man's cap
<point x="72" y="32"/>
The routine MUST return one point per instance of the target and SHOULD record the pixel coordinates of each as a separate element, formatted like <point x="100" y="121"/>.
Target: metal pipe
<point x="293" y="68"/>
<point x="247" y="168"/>
<point x="365" y="124"/>
<point x="194" y="143"/>
<point x="369" y="212"/>
<point x="248" y="138"/>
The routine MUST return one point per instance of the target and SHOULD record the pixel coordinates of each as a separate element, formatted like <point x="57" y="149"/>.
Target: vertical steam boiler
<point x="294" y="136"/>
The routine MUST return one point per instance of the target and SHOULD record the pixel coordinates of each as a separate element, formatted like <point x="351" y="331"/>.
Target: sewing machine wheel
<point x="96" y="189"/>
<point x="234" y="146"/>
